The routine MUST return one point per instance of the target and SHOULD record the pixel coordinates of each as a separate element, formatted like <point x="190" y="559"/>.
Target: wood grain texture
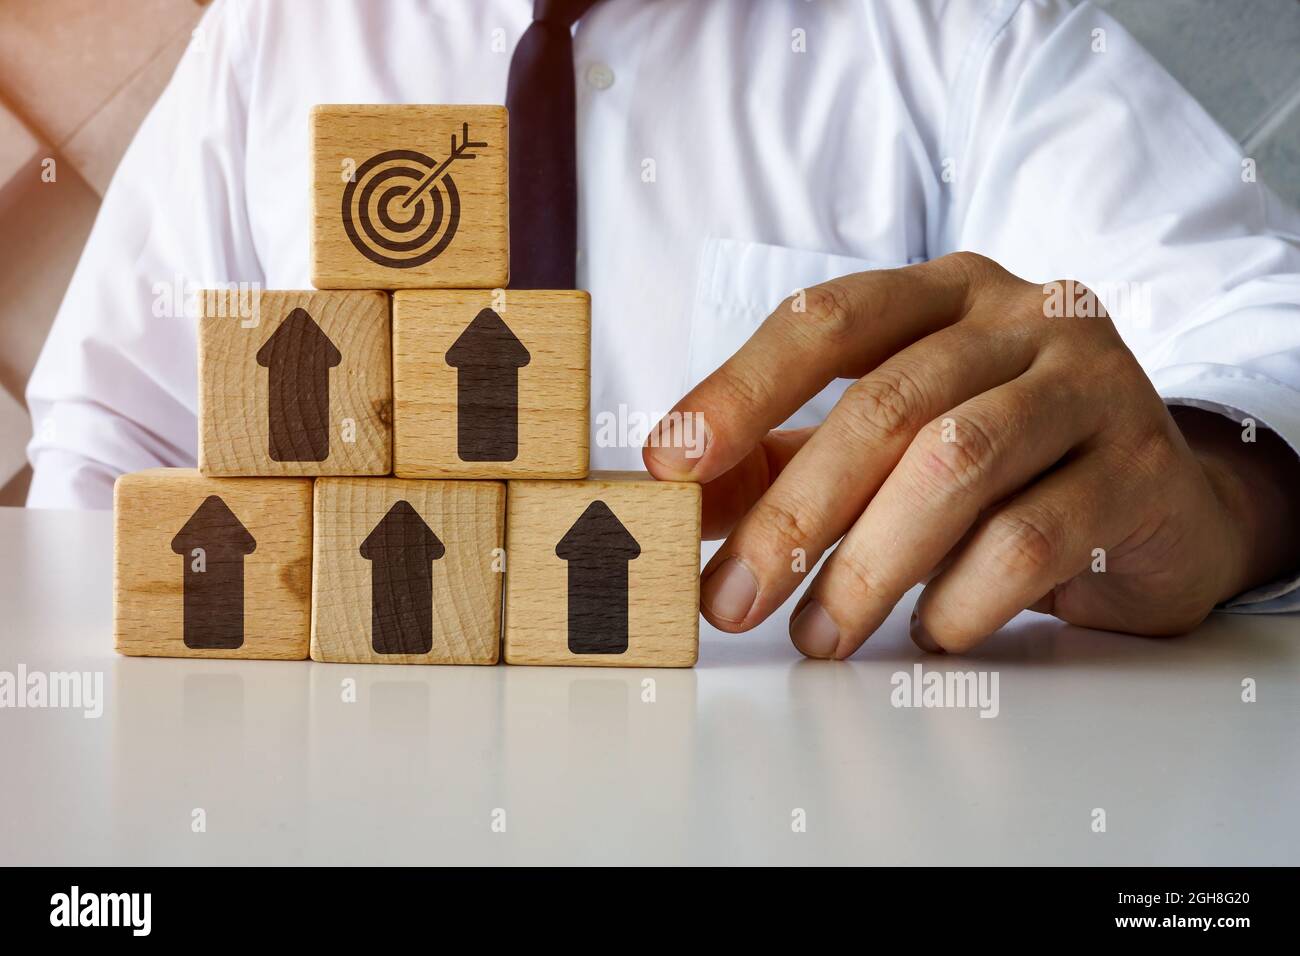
<point x="284" y="395"/>
<point x="157" y="526"/>
<point x="662" y="583"/>
<point x="553" y="391"/>
<point x="347" y="143"/>
<point x="451" y="592"/>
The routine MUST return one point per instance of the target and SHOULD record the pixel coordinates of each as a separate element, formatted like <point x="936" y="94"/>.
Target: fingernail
<point x="729" y="592"/>
<point x="678" y="442"/>
<point x="921" y="637"/>
<point x="813" y="631"/>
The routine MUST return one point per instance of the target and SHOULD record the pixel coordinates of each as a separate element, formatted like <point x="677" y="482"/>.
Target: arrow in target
<point x="457" y="152"/>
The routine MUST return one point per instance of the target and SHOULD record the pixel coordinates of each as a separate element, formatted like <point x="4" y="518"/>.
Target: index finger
<point x="839" y="329"/>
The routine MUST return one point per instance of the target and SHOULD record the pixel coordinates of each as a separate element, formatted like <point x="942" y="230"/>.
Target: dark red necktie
<point x="543" y="150"/>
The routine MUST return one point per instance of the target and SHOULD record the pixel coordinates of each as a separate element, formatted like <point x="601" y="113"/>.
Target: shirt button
<point x="600" y="76"/>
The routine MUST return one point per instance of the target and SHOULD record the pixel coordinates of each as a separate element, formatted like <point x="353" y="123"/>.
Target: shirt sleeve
<point x="1074" y="154"/>
<point x="114" y="389"/>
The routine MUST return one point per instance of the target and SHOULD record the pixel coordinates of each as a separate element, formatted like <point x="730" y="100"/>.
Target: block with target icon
<point x="491" y="383"/>
<point x="603" y="572"/>
<point x="407" y="572"/>
<point x="409" y="197"/>
<point x="294" y="383"/>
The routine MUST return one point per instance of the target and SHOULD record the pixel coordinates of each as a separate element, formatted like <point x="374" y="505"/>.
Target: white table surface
<point x="1152" y="731"/>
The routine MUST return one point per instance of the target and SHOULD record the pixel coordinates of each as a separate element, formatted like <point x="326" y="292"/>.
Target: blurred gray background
<point x="1241" y="59"/>
<point x="78" y="76"/>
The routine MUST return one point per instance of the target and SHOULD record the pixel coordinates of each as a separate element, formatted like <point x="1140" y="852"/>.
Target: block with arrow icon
<point x="294" y="383"/>
<point x="407" y="572"/>
<point x="603" y="572"/>
<point x="211" y="567"/>
<point x="491" y="384"/>
<point x="409" y="197"/>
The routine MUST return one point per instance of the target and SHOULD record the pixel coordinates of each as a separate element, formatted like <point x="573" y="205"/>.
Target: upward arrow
<point x="487" y="357"/>
<point x="213" y="544"/>
<point x="298" y="356"/>
<point x="401" y="550"/>
<point x="598" y="549"/>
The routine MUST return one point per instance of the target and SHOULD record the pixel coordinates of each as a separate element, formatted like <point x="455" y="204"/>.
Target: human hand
<point x="1008" y="459"/>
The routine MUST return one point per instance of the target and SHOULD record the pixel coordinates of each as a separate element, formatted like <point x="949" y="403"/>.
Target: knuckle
<point x="853" y="579"/>
<point x="1114" y="362"/>
<point x="884" y="406"/>
<point x="965" y="259"/>
<point x="786" y="524"/>
<point x="737" y="391"/>
<point x="972" y="265"/>
<point x="1089" y="319"/>
<point x="1085" y="292"/>
<point x="1025" y="545"/>
<point x="830" y="313"/>
<point x="1154" y="452"/>
<point x="956" y="465"/>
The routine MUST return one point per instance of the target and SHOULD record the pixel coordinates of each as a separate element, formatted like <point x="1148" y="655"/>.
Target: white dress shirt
<point x="729" y="153"/>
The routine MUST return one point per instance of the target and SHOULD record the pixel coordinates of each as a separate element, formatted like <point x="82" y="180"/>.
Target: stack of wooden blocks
<point x="403" y="478"/>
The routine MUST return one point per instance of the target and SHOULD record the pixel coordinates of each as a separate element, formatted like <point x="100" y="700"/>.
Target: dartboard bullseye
<point x="401" y="208"/>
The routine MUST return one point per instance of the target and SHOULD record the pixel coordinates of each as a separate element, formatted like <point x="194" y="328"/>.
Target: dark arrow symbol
<point x="298" y="357"/>
<point x="212" y="545"/>
<point x="487" y="358"/>
<point x="401" y="551"/>
<point x="598" y="549"/>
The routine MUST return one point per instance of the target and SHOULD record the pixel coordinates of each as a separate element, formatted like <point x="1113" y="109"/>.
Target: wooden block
<point x="295" y="383"/>
<point x="211" y="567"/>
<point x="603" y="572"/>
<point x="407" y="572"/>
<point x="409" y="197"/>
<point x="491" y="384"/>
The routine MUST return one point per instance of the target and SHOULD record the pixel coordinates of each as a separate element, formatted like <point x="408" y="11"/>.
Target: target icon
<point x="401" y="208"/>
